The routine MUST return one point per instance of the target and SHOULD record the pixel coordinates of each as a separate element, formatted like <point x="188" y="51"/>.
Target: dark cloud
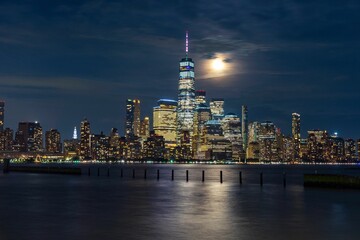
<point x="61" y="62"/>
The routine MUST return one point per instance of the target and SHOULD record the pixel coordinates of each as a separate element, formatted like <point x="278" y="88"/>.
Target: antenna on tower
<point x="187" y="44"/>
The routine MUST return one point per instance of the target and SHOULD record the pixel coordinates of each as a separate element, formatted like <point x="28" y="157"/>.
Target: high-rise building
<point x="350" y="150"/>
<point x="164" y="120"/>
<point x="132" y="121"/>
<point x="186" y="95"/>
<point x="145" y="128"/>
<point x="295" y="129"/>
<point x="154" y="147"/>
<point x="85" y="140"/>
<point x="200" y="97"/>
<point x="231" y="126"/>
<point x="6" y="139"/>
<point x="29" y="137"/>
<point x="253" y="131"/>
<point x="217" y="108"/>
<point x="137" y="122"/>
<point x="317" y="145"/>
<point x="269" y="149"/>
<point x="53" y="141"/>
<point x="100" y="145"/>
<point x="201" y="116"/>
<point x="244" y="126"/>
<point x="2" y="112"/>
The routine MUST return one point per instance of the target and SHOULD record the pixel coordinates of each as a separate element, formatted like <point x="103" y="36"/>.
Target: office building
<point x="164" y="120"/>
<point x="295" y="129"/>
<point x="217" y="108"/>
<point x="53" y="141"/>
<point x="2" y="117"/>
<point x="85" y="140"/>
<point x="186" y="96"/>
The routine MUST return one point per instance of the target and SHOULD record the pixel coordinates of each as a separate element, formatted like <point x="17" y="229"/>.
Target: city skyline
<point x="68" y="67"/>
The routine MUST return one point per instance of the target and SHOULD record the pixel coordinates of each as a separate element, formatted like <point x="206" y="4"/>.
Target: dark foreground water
<point x="41" y="206"/>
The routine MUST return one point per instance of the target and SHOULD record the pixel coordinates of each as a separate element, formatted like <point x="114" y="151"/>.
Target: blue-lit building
<point x="186" y="96"/>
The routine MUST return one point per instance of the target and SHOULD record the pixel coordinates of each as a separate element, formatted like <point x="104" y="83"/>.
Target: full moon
<point x="218" y="64"/>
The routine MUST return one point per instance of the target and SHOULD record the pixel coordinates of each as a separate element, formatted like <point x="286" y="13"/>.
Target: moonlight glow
<point x="218" y="64"/>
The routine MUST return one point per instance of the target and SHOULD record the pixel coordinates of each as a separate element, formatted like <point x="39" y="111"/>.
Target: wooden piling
<point x="240" y="177"/>
<point x="187" y="175"/>
<point x="221" y="177"/>
<point x="158" y="174"/>
<point x="172" y="175"/>
<point x="261" y="179"/>
<point x="203" y="176"/>
<point x="284" y="179"/>
<point x="145" y="173"/>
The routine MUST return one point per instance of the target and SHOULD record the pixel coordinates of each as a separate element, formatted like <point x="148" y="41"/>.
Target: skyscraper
<point x="132" y="121"/>
<point x="244" y="126"/>
<point x="53" y="141"/>
<point x="145" y="128"/>
<point x="2" y="111"/>
<point x="217" y="108"/>
<point x="29" y="137"/>
<point x="295" y="129"/>
<point x="200" y="97"/>
<point x="85" y="141"/>
<point x="186" y="95"/>
<point x="137" y="123"/>
<point x="75" y="133"/>
<point x="164" y="120"/>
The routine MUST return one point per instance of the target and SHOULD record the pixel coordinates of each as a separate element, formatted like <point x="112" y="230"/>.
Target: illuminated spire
<point x="187" y="44"/>
<point x="75" y="133"/>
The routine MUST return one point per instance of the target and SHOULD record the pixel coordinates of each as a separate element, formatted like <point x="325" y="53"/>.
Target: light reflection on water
<point x="82" y="207"/>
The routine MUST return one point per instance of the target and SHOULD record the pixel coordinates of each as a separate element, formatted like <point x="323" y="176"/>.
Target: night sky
<point x="62" y="62"/>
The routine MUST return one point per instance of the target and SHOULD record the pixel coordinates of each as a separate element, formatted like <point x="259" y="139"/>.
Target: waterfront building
<point x="154" y="147"/>
<point x="132" y="121"/>
<point x="85" y="140"/>
<point x="217" y="108"/>
<point x="244" y="126"/>
<point x="218" y="147"/>
<point x="303" y="149"/>
<point x="350" y="150"/>
<point x="114" y="145"/>
<point x="317" y="144"/>
<point x="53" y="141"/>
<point x="145" y="128"/>
<point x="287" y="149"/>
<point x="71" y="149"/>
<point x="253" y="132"/>
<point x="335" y="149"/>
<point x="253" y="152"/>
<point x="267" y="137"/>
<point x="200" y="97"/>
<point x="358" y="149"/>
<point x="100" y="145"/>
<point x="28" y="137"/>
<point x="231" y="126"/>
<point x="133" y="148"/>
<point x="164" y="121"/>
<point x="201" y="116"/>
<point x="6" y="139"/>
<point x="295" y="129"/>
<point x="2" y="112"/>
<point x="186" y="96"/>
